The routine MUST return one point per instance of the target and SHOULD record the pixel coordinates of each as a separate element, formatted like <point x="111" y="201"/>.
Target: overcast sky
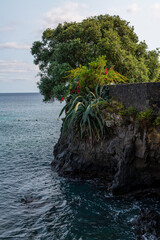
<point x="23" y="21"/>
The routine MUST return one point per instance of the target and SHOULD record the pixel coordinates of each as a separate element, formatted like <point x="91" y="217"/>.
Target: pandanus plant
<point x="84" y="115"/>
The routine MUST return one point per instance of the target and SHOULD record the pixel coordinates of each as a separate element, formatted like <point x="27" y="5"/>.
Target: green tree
<point x="74" y="44"/>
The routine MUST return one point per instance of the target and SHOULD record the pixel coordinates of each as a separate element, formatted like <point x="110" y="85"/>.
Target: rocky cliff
<point x="126" y="160"/>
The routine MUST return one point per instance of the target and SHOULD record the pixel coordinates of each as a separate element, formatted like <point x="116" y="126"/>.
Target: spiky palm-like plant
<point x="84" y="115"/>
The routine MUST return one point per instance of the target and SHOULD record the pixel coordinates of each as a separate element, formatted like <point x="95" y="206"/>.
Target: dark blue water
<point x="35" y="203"/>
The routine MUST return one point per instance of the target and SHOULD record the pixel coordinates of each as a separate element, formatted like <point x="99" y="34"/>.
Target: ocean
<point x="35" y="203"/>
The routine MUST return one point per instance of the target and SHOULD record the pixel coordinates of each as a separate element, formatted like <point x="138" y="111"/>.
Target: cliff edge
<point x="126" y="160"/>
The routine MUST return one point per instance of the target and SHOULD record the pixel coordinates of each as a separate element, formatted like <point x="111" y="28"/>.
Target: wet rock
<point x="29" y="199"/>
<point x="147" y="225"/>
<point x="26" y="200"/>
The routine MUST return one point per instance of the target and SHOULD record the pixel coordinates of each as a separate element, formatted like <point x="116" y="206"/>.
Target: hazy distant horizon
<point x="18" y="92"/>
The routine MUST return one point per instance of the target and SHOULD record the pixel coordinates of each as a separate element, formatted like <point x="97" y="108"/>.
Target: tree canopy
<point x="74" y="44"/>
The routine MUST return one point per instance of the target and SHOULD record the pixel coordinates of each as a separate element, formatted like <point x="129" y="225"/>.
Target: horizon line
<point x="16" y="92"/>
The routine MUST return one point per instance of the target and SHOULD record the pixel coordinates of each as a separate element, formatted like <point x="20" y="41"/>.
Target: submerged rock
<point x="27" y="199"/>
<point x="128" y="159"/>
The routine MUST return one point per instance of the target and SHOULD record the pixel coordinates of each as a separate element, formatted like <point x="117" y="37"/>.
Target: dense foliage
<point x="92" y="75"/>
<point x="74" y="44"/>
<point x="84" y="116"/>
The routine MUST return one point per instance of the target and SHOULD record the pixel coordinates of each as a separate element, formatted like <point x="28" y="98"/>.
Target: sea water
<point x="35" y="203"/>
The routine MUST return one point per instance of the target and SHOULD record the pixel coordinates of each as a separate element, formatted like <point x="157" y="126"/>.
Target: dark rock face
<point x="127" y="160"/>
<point x="147" y="225"/>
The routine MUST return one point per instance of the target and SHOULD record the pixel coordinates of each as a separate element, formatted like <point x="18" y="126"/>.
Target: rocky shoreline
<point x="126" y="164"/>
<point x="126" y="160"/>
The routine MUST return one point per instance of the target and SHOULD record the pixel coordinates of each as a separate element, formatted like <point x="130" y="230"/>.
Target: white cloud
<point x="13" y="70"/>
<point x="6" y="29"/>
<point x="70" y="11"/>
<point x="14" y="45"/>
<point x="134" y="8"/>
<point x="156" y="10"/>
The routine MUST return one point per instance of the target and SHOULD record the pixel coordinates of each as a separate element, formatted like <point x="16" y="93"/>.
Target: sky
<point x="23" y="21"/>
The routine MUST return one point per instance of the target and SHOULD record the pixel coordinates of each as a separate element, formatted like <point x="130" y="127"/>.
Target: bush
<point x="157" y="121"/>
<point x="96" y="73"/>
<point x="84" y="115"/>
<point x="132" y="111"/>
<point x="146" y="115"/>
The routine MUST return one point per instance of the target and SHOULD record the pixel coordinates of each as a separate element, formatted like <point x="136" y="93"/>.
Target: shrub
<point x="132" y="111"/>
<point x="84" y="115"/>
<point x="157" y="121"/>
<point x="95" y="74"/>
<point x="123" y="112"/>
<point x="146" y="115"/>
